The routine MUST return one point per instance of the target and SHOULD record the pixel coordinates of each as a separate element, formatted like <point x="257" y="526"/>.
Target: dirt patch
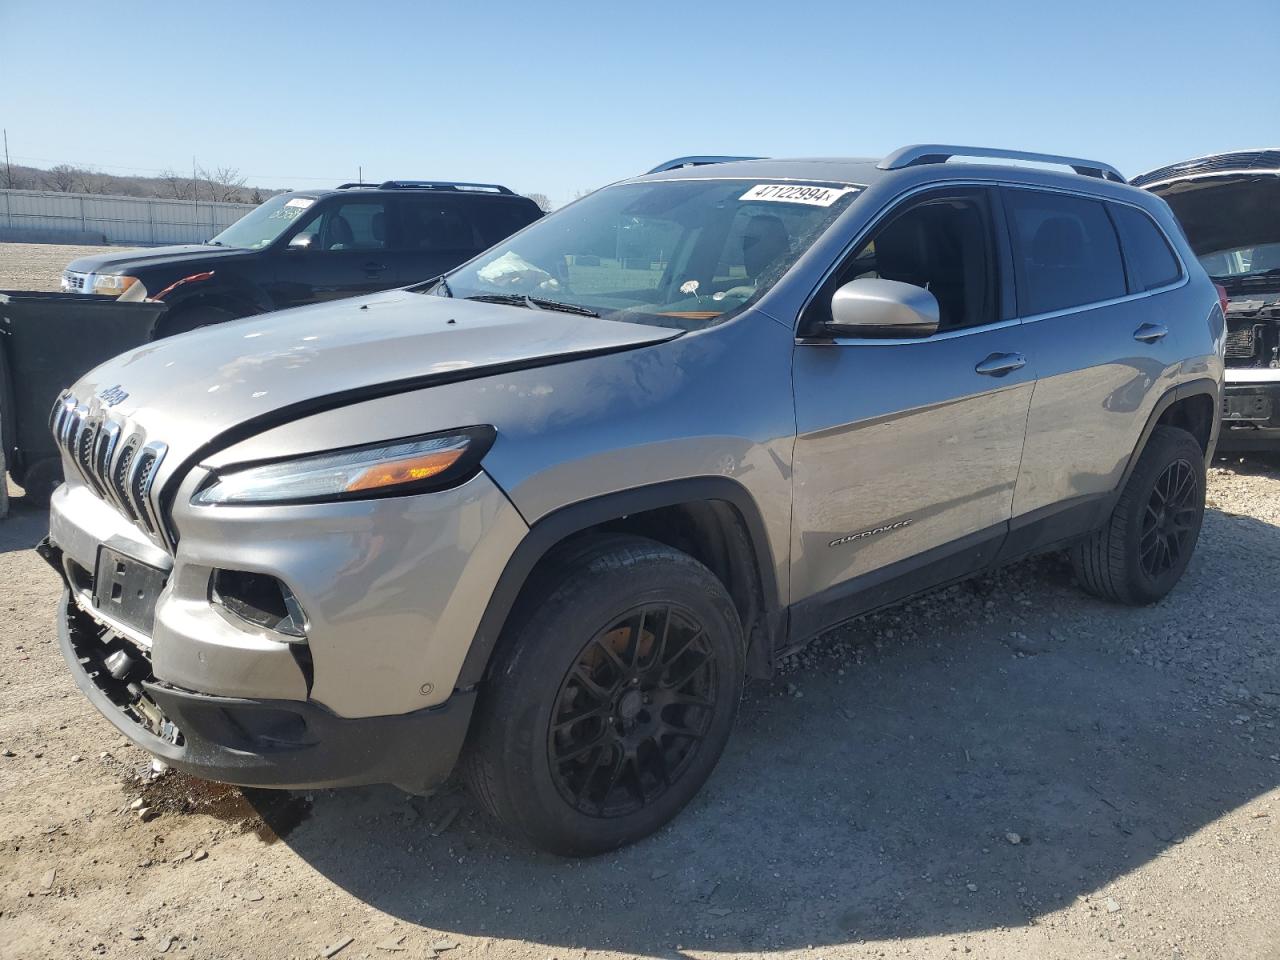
<point x="39" y="266"/>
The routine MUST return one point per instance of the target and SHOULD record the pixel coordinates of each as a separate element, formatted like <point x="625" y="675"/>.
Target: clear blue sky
<point x="559" y="97"/>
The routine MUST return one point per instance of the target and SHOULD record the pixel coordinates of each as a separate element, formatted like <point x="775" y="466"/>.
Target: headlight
<point x="116" y="286"/>
<point x="396" y="467"/>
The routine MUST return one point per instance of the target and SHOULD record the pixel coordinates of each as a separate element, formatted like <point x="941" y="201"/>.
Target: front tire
<point x="611" y="699"/>
<point x="1143" y="549"/>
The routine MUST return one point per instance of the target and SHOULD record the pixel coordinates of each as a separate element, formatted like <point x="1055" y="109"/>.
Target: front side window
<point x="349" y="225"/>
<point x="942" y="243"/>
<point x="1146" y="252"/>
<point x="1065" y="251"/>
<point x="681" y="253"/>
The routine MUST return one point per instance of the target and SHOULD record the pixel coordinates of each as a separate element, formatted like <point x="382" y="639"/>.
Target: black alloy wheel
<point x="1172" y="520"/>
<point x="632" y="711"/>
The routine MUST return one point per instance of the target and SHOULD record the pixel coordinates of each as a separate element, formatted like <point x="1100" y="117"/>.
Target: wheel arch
<point x="714" y="519"/>
<point x="1192" y="406"/>
<point x="237" y="300"/>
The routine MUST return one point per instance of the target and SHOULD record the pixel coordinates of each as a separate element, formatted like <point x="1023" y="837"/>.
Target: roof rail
<point x="454" y="185"/>
<point x="922" y="153"/>
<point x="444" y="185"/>
<point x="679" y="162"/>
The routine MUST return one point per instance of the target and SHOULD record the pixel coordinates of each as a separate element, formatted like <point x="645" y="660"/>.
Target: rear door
<point x="435" y="233"/>
<point x="340" y="251"/>
<point x="907" y="450"/>
<point x="1103" y="352"/>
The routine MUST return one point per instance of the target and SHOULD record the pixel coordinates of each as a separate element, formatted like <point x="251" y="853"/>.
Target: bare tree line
<point x="219" y="184"/>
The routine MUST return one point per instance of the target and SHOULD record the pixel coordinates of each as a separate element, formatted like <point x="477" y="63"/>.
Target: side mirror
<point x="882" y="308"/>
<point x="301" y="241"/>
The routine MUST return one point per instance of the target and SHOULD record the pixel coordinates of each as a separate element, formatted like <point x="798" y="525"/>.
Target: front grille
<point x="1242" y="344"/>
<point x="73" y="281"/>
<point x="118" y="464"/>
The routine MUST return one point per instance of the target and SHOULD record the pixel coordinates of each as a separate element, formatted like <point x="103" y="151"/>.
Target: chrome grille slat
<point x="119" y="478"/>
<point x="119" y="465"/>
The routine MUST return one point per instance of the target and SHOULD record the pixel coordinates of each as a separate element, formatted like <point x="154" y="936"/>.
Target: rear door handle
<point x="998" y="364"/>
<point x="1151" y="332"/>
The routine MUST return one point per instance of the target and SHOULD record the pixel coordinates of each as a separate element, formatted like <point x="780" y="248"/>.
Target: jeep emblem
<point x="113" y="395"/>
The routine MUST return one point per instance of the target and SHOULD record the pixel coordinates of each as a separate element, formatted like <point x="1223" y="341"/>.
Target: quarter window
<point x="1146" y="251"/>
<point x="1066" y="251"/>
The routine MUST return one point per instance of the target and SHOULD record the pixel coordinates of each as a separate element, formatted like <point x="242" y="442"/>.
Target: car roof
<point x="856" y="171"/>
<point x="864" y="171"/>
<point x="451" y="188"/>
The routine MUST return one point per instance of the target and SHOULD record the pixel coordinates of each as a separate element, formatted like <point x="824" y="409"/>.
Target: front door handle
<point x="998" y="364"/>
<point x="375" y="267"/>
<point x="1151" y="332"/>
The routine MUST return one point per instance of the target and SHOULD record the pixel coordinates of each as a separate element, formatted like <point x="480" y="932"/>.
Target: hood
<point x="232" y="380"/>
<point x="123" y="262"/>
<point x="1224" y="202"/>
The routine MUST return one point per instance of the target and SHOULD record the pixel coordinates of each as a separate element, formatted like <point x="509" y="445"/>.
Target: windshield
<point x="262" y="225"/>
<point x="680" y="253"/>
<point x="1242" y="262"/>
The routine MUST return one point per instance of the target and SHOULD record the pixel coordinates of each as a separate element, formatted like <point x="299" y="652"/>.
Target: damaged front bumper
<point x="255" y="742"/>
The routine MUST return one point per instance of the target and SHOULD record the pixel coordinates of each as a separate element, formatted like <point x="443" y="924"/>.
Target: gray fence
<point x="126" y="220"/>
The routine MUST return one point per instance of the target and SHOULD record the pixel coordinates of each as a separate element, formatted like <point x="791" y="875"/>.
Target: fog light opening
<point x="261" y="600"/>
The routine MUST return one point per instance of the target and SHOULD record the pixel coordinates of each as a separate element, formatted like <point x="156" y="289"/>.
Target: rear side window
<point x="1146" y="251"/>
<point x="433" y="225"/>
<point x="497" y="220"/>
<point x="1065" y="249"/>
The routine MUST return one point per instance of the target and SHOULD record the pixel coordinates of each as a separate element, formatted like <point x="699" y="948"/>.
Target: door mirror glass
<point x="302" y="241"/>
<point x="873" y="307"/>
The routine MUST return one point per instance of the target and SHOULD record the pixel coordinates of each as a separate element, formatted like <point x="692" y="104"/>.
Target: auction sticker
<point x="302" y="202"/>
<point x="797" y="193"/>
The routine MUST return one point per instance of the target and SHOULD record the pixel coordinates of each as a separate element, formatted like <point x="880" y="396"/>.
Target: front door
<point x="907" y="450"/>
<point x="341" y="251"/>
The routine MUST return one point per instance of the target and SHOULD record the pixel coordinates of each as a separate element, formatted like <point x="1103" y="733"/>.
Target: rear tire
<point x="1143" y="549"/>
<point x="611" y="697"/>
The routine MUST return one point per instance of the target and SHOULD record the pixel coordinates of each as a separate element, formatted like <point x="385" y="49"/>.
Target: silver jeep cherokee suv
<point x="545" y="513"/>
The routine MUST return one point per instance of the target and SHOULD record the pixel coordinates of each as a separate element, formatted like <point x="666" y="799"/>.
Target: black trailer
<point x="47" y="341"/>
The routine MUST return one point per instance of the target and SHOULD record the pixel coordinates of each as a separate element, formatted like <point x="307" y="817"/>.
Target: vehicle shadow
<point x="872" y="790"/>
<point x="24" y="525"/>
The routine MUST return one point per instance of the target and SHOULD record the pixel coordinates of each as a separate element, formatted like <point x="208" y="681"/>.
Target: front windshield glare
<point x="262" y="225"/>
<point x="681" y="253"/>
<point x="1242" y="261"/>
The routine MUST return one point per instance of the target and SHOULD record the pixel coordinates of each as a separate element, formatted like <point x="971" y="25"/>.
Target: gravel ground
<point x="39" y="266"/>
<point x="1003" y="769"/>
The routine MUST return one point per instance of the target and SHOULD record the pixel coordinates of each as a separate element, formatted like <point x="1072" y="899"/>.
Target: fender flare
<point x="566" y="521"/>
<point x="1204" y="386"/>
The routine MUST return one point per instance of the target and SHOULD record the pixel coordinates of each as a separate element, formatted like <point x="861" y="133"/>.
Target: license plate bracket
<point x="126" y="589"/>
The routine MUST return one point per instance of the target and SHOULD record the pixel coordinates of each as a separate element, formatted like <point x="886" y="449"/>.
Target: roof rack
<point x="679" y="162"/>
<point x="454" y="185"/>
<point x="922" y="153"/>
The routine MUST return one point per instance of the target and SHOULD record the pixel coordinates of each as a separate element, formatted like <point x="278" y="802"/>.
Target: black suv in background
<point x="309" y="246"/>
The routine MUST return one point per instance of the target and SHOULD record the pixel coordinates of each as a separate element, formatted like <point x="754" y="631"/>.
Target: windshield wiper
<point x="535" y="303"/>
